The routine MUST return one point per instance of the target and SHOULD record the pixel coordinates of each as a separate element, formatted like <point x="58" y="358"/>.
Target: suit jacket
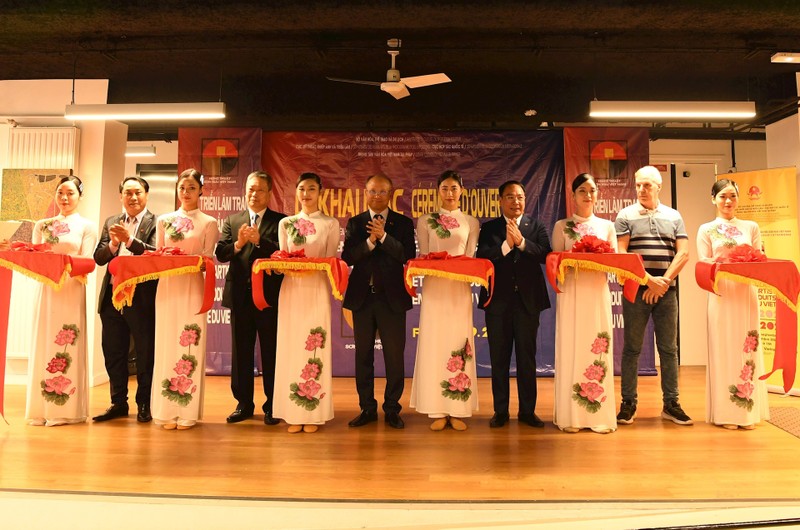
<point x="144" y="239"/>
<point x="237" y="289"/>
<point x="389" y="257"/>
<point x="522" y="269"/>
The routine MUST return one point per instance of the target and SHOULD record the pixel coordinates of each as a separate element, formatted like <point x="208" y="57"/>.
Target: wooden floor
<point x="649" y="460"/>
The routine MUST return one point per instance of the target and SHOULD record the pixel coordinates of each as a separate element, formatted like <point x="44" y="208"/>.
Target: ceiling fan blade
<point x="353" y="81"/>
<point x="425" y="80"/>
<point x="397" y="90"/>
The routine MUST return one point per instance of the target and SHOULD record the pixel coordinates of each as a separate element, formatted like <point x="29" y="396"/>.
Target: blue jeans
<point x="665" y="321"/>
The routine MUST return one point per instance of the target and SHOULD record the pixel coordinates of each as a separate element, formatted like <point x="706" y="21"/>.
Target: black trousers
<point x="138" y="321"/>
<point x="513" y="329"/>
<point x="247" y="322"/>
<point x="376" y="315"/>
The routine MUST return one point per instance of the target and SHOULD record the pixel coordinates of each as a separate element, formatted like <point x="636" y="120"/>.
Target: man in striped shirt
<point x="657" y="233"/>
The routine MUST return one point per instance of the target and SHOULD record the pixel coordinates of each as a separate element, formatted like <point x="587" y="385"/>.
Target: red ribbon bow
<point x="436" y="255"/>
<point x="24" y="246"/>
<point x="744" y="254"/>
<point x="165" y="251"/>
<point x="282" y="254"/>
<point x="592" y="244"/>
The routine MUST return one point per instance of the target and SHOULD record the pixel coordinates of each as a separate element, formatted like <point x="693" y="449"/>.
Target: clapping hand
<point x="376" y="229"/>
<point x="513" y="235"/>
<point x="119" y="234"/>
<point x="247" y="234"/>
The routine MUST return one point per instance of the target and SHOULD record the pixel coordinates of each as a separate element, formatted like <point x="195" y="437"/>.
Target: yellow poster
<point x="769" y="197"/>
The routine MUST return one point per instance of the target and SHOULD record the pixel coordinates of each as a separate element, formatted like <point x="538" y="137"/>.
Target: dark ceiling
<point x="268" y="60"/>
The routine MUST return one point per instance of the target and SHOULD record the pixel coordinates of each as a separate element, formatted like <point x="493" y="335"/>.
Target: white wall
<point x="40" y="103"/>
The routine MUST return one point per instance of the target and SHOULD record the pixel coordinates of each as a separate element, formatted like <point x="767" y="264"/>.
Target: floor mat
<point x="786" y="418"/>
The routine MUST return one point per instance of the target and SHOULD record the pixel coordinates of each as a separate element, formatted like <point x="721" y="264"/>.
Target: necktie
<point x="376" y="281"/>
<point x="377" y="216"/>
<point x="128" y="222"/>
<point x="255" y="220"/>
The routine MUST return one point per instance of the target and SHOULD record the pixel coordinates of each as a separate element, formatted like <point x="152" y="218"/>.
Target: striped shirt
<point x="653" y="234"/>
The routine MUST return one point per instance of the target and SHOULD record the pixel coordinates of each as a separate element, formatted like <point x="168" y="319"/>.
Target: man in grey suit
<point x="131" y="232"/>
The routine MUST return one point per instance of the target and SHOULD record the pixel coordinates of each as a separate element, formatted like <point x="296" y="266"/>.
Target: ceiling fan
<point x="395" y="85"/>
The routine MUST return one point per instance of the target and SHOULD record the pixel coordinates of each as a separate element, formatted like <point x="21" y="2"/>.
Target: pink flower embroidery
<point x="454" y="364"/>
<point x="58" y="385"/>
<point x="310" y="371"/>
<point x="58" y="228"/>
<point x="747" y="373"/>
<point x="314" y="341"/>
<point x="180" y="384"/>
<point x="304" y="227"/>
<point x="745" y="390"/>
<point x="459" y="383"/>
<point x="600" y="345"/>
<point x="182" y="224"/>
<point x="750" y="344"/>
<point x="584" y="229"/>
<point x="594" y="372"/>
<point x="183" y="367"/>
<point x="308" y="389"/>
<point x="728" y="231"/>
<point x="57" y="364"/>
<point x="591" y="391"/>
<point x="188" y="337"/>
<point x="448" y="222"/>
<point x="65" y="336"/>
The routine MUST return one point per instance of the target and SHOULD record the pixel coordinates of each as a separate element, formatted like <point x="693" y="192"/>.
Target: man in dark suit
<point x="377" y="244"/>
<point x="247" y="236"/>
<point x="517" y="245"/>
<point x="131" y="232"/>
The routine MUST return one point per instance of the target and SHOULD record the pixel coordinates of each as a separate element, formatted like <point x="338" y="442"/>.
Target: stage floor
<point x="651" y="460"/>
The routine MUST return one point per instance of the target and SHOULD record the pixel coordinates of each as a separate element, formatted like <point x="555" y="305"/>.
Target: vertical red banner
<point x="612" y="155"/>
<point x="225" y="156"/>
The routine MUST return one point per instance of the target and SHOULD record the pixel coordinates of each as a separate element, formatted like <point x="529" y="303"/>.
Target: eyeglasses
<point x="375" y="193"/>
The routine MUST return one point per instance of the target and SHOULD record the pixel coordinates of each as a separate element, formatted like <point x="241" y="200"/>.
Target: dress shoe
<point x="531" y="419"/>
<point x="364" y="418"/>
<point x="143" y="416"/>
<point x="239" y="415"/>
<point x="114" y="411"/>
<point x="394" y="420"/>
<point x="269" y="420"/>
<point x="498" y="420"/>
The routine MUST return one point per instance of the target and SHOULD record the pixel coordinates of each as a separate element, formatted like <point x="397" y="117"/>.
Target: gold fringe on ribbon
<point x="56" y="286"/>
<point x="466" y="278"/>
<point x="599" y="267"/>
<point x="128" y="287"/>
<point x="270" y="266"/>
<point x="725" y="275"/>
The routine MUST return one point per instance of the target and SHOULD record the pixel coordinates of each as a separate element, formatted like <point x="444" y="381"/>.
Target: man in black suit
<point x="247" y="236"/>
<point x="517" y="245"/>
<point x="377" y="243"/>
<point x="131" y="232"/>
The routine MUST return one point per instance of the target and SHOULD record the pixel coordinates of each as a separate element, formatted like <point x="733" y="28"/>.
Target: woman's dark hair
<point x="580" y="179"/>
<point x="75" y="180"/>
<point x="309" y="176"/>
<point x="449" y="174"/>
<point x="192" y="174"/>
<point x="721" y="184"/>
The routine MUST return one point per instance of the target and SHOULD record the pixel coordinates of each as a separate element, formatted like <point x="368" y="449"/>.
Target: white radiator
<point x="44" y="148"/>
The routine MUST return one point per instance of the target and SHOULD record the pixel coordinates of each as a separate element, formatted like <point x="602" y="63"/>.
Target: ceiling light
<point x="673" y="110"/>
<point x="146" y="150"/>
<point x="785" y="57"/>
<point x="530" y="112"/>
<point x="146" y="111"/>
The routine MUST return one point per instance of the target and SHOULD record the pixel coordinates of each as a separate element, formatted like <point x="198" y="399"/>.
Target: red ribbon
<point x="780" y="277"/>
<point x="474" y="270"/>
<point x="623" y="262"/>
<point x="592" y="244"/>
<point x="128" y="271"/>
<point x="281" y="261"/>
<point x="165" y="251"/>
<point x="744" y="254"/>
<point x="24" y="246"/>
